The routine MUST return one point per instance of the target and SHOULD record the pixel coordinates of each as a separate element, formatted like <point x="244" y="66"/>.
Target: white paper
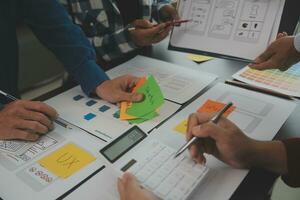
<point x="260" y="116"/>
<point x="22" y="176"/>
<point x="285" y="82"/>
<point x="104" y="124"/>
<point x="238" y="28"/>
<point x="15" y="147"/>
<point x="101" y="186"/>
<point x="178" y="83"/>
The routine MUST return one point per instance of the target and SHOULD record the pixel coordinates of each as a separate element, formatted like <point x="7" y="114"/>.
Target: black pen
<point x="59" y="120"/>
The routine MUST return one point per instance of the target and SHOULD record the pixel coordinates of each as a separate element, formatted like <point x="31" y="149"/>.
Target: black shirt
<point x="8" y="47"/>
<point x="130" y="10"/>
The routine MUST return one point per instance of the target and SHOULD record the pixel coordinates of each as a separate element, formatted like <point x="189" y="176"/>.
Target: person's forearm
<point x="270" y="155"/>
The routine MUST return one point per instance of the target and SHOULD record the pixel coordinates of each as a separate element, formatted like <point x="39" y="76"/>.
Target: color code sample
<point x="286" y="82"/>
<point x="89" y="116"/>
<point x="78" y="97"/>
<point x="104" y="108"/>
<point x="91" y="102"/>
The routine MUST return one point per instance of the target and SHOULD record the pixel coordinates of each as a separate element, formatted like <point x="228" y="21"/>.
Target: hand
<point x="281" y="54"/>
<point x="168" y="13"/>
<point x="229" y="144"/>
<point x="146" y="33"/>
<point x="26" y="120"/>
<point x="118" y="89"/>
<point x="129" y="189"/>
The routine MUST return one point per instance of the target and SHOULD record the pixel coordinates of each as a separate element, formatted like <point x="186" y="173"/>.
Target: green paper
<point x="144" y="118"/>
<point x="153" y="99"/>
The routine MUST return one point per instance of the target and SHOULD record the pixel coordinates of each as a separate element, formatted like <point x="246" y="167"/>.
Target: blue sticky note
<point x="116" y="115"/>
<point x="78" y="97"/>
<point x="91" y="102"/>
<point x="89" y="116"/>
<point x="104" y="108"/>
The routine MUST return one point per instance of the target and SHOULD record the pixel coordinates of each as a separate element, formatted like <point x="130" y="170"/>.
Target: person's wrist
<point x="269" y="155"/>
<point x="100" y="88"/>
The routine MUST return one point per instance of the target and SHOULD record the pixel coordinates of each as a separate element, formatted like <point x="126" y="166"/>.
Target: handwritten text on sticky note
<point x="67" y="160"/>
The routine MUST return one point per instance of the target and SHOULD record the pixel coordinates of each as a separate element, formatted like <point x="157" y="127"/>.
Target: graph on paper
<point x="287" y="82"/>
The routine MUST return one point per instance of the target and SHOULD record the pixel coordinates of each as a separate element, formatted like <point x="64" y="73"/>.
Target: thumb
<point x="130" y="181"/>
<point x="130" y="97"/>
<point x="141" y="23"/>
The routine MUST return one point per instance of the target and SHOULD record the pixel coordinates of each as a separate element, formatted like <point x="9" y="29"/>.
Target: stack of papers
<point x="147" y="109"/>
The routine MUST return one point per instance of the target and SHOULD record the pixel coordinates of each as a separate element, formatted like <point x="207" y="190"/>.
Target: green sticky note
<point x="144" y="118"/>
<point x="153" y="99"/>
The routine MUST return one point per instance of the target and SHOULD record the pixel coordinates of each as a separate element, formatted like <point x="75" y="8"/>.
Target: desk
<point x="258" y="182"/>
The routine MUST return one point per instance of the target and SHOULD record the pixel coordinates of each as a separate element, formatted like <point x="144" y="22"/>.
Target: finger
<point x="207" y="130"/>
<point x="121" y="189"/>
<point x="41" y="107"/>
<point x="23" y="135"/>
<point x="37" y="116"/>
<point x="197" y="153"/>
<point x="157" y="29"/>
<point x="264" y="56"/>
<point x="130" y="97"/>
<point x="32" y="126"/>
<point x="130" y="182"/>
<point x="142" y="24"/>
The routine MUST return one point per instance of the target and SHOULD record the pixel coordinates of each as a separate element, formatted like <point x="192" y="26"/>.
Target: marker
<point x="214" y="120"/>
<point x="258" y="89"/>
<point x="169" y="23"/>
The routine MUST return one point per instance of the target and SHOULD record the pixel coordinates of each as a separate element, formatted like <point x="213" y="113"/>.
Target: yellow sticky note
<point x="198" y="58"/>
<point x="67" y="160"/>
<point x="182" y="127"/>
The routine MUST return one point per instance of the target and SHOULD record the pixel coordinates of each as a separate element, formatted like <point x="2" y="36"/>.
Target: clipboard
<point x="285" y="21"/>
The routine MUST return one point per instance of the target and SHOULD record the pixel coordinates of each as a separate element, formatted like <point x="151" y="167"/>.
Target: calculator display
<point x="123" y="144"/>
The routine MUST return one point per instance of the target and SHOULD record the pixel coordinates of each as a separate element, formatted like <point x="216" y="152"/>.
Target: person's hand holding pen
<point x="145" y="33"/>
<point x="281" y="54"/>
<point x="26" y="120"/>
<point x="228" y="143"/>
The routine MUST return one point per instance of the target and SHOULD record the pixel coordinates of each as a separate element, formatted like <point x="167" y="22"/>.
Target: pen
<point x="59" y="120"/>
<point x="258" y="89"/>
<point x="214" y="120"/>
<point x="170" y="23"/>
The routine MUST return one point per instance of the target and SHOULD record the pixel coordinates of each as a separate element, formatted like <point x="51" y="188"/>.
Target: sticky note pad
<point x="78" y="97"/>
<point x="182" y="127"/>
<point x="91" y="102"/>
<point x="89" y="116"/>
<point x="153" y="98"/>
<point x="198" y="58"/>
<point x="104" y="108"/>
<point x="211" y="106"/>
<point x="67" y="160"/>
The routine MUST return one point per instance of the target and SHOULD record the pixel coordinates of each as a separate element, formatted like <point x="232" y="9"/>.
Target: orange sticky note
<point x="125" y="105"/>
<point x="211" y="106"/>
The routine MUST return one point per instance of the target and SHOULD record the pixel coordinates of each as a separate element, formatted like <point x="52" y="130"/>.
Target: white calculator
<point x="154" y="165"/>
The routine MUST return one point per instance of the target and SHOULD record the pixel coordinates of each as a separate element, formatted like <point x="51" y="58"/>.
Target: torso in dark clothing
<point x="8" y="47"/>
<point x="130" y="10"/>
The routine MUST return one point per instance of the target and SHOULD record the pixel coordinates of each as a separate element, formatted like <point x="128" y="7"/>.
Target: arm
<point x="292" y="146"/>
<point x="51" y="24"/>
<point x="96" y="25"/>
<point x="233" y="147"/>
<point x="281" y="54"/>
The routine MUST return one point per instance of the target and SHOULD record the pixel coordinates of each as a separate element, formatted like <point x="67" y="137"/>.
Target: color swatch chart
<point x="287" y="82"/>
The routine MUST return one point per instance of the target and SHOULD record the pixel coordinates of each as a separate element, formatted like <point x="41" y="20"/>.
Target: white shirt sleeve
<point x="297" y="42"/>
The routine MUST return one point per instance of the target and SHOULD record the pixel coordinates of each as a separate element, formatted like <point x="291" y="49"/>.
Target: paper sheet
<point x="178" y="83"/>
<point x="209" y="106"/>
<point x="260" y="116"/>
<point x="287" y="82"/>
<point x="246" y="26"/>
<point x="99" y="117"/>
<point x="35" y="182"/>
<point x="199" y="58"/>
<point x="15" y="147"/>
